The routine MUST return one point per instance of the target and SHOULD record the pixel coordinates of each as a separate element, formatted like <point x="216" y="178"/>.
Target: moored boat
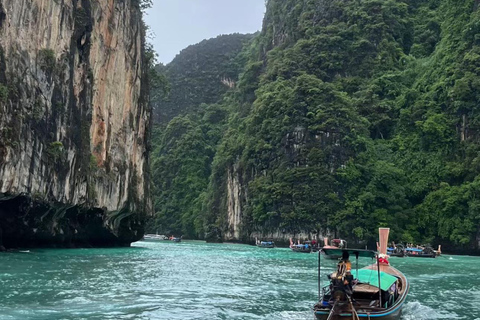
<point x="154" y="237"/>
<point x="305" y="247"/>
<point x="378" y="291"/>
<point x="396" y="250"/>
<point x="265" y="244"/>
<point x="426" y="252"/>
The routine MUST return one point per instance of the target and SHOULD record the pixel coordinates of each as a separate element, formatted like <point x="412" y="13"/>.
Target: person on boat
<point x="344" y="265"/>
<point x="344" y="268"/>
<point x="343" y="277"/>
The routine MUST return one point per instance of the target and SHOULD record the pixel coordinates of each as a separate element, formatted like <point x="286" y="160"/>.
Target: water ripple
<point x="194" y="280"/>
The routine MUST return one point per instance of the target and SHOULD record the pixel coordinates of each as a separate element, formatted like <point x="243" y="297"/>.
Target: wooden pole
<point x="379" y="285"/>
<point x="319" y="274"/>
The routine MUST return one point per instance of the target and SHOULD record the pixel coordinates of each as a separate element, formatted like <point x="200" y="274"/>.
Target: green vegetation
<point x="347" y="116"/>
<point x="201" y="73"/>
<point x="3" y="93"/>
<point x="143" y="4"/>
<point x="47" y="60"/>
<point x="56" y="151"/>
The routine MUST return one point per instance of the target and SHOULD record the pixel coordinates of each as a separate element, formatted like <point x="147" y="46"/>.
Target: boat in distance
<point x="378" y="291"/>
<point x="154" y="237"/>
<point x="264" y="244"/>
<point x="305" y="247"/>
<point x="426" y="252"/>
<point x="334" y="244"/>
<point x="396" y="250"/>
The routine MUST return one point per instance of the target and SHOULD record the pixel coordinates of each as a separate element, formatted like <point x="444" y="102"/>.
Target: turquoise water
<point x="194" y="280"/>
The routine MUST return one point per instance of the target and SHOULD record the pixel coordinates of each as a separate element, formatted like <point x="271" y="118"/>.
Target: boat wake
<point x="416" y="311"/>
<point x="288" y="315"/>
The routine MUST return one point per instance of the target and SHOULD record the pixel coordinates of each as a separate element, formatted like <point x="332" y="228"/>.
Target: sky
<point x="176" y="24"/>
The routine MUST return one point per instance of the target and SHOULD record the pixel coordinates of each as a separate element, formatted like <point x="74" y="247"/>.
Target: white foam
<point x="416" y="311"/>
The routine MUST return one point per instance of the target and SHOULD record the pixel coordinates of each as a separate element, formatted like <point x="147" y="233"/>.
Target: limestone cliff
<point x="74" y="123"/>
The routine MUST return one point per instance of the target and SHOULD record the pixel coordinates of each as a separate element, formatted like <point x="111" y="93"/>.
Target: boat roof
<point x="351" y="252"/>
<point x="414" y="249"/>
<point x="370" y="277"/>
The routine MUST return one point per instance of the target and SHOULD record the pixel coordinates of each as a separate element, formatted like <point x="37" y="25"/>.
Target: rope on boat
<point x="332" y="313"/>
<point x="354" y="312"/>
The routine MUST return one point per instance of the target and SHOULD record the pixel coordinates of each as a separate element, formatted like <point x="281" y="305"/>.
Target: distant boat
<point x="177" y="239"/>
<point x="335" y="244"/>
<point x="396" y="251"/>
<point x="305" y="247"/>
<point x="265" y="244"/>
<point x="378" y="291"/>
<point x="426" y="252"/>
<point x="154" y="237"/>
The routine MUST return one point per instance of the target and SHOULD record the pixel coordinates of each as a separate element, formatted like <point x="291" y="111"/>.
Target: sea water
<point x="195" y="280"/>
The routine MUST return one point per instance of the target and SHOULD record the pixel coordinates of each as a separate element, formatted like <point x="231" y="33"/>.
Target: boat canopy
<point x="351" y="252"/>
<point x="370" y="276"/>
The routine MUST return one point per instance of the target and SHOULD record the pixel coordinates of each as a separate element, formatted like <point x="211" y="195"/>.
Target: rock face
<point x="74" y="123"/>
<point x="236" y="195"/>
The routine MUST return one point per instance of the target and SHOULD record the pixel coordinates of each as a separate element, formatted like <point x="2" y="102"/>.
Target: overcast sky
<point x="176" y="24"/>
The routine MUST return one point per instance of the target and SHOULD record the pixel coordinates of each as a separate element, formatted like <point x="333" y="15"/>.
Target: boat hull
<point x="428" y="255"/>
<point x="400" y="255"/>
<point x="393" y="315"/>
<point x="331" y="256"/>
<point x="302" y="250"/>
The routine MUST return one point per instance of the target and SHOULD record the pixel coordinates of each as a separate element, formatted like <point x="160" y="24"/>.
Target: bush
<point x="3" y="93"/>
<point x="47" y="59"/>
<point x="56" y="151"/>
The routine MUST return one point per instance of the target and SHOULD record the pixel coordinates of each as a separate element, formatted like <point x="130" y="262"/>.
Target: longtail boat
<point x="335" y="244"/>
<point x="378" y="291"/>
<point x="396" y="250"/>
<point x="427" y="252"/>
<point x="265" y="244"/>
<point x="438" y="252"/>
<point x="305" y="247"/>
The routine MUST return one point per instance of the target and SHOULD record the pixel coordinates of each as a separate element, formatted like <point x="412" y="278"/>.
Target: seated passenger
<point x="343" y="277"/>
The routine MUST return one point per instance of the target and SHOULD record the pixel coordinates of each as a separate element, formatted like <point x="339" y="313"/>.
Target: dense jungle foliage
<point x="348" y="115"/>
<point x="201" y="73"/>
